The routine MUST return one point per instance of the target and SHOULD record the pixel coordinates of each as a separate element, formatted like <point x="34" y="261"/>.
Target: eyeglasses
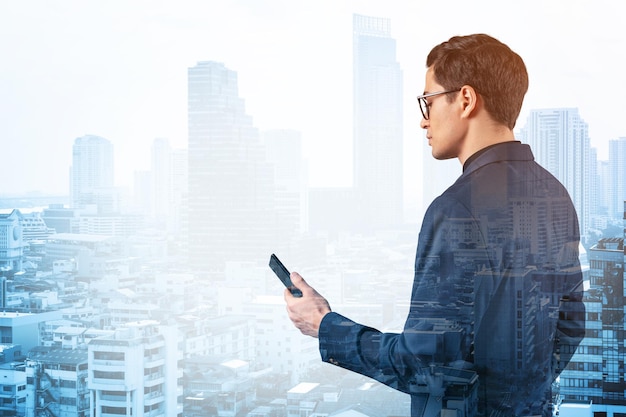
<point x="425" y="106"/>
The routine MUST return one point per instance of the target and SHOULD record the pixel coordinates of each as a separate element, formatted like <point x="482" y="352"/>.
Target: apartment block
<point x="135" y="372"/>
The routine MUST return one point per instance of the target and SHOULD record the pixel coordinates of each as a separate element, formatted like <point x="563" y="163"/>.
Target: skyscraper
<point x="377" y="130"/>
<point x="168" y="185"/>
<point x="560" y="141"/>
<point x="91" y="171"/>
<point x="231" y="199"/>
<point x="617" y="176"/>
<point x="161" y="187"/>
<point x="284" y="151"/>
<point x="604" y="179"/>
<point x="596" y="374"/>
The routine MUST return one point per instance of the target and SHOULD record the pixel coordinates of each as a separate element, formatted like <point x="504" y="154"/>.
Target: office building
<point x="595" y="193"/>
<point x="560" y="141"/>
<point x="116" y="225"/>
<point x="168" y="185"/>
<point x="616" y="177"/>
<point x="378" y="120"/>
<point x="596" y="373"/>
<point x="604" y="179"/>
<point x="91" y="171"/>
<point x="283" y="149"/>
<point x="231" y="192"/>
<point x="161" y="183"/>
<point x="178" y="208"/>
<point x="61" y="218"/>
<point x="24" y="328"/>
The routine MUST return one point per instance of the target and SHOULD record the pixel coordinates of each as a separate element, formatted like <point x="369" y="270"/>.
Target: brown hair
<point x="496" y="73"/>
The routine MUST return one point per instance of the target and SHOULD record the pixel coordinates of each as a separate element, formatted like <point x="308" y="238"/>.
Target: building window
<point x="67" y="383"/>
<point x="108" y="375"/>
<point x="114" y="410"/>
<point x="108" y="356"/>
<point x="68" y="401"/>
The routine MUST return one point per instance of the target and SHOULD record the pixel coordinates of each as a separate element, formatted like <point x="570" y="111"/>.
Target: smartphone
<point x="283" y="274"/>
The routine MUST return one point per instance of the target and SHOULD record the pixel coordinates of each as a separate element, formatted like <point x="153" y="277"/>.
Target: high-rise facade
<point x="231" y="198"/>
<point x="617" y="176"/>
<point x="604" y="179"/>
<point x="560" y="141"/>
<point x="377" y="129"/>
<point x="91" y="171"/>
<point x="169" y="185"/>
<point x="596" y="372"/>
<point x="595" y="194"/>
<point x="284" y="151"/>
<point x="161" y="184"/>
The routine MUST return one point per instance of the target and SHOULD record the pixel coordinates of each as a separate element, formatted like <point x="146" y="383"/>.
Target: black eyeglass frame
<point x="425" y="106"/>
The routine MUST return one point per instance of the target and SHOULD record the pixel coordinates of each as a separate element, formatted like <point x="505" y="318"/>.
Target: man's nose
<point x="423" y="123"/>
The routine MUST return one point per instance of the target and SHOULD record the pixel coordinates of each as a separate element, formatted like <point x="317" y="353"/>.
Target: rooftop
<point x="303" y="388"/>
<point x="59" y="356"/>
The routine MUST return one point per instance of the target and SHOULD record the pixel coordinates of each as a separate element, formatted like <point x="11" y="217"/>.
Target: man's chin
<point x="441" y="157"/>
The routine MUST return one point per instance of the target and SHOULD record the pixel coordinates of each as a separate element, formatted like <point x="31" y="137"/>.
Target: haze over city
<point x="118" y="70"/>
<point x="178" y="145"/>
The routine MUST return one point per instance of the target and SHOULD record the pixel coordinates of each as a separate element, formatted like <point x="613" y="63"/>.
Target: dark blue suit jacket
<point x="497" y="255"/>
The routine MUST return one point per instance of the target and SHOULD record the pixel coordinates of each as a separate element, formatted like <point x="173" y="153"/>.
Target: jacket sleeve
<point x="399" y="360"/>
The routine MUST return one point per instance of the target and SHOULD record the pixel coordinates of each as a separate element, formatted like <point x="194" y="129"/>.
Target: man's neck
<point x="484" y="138"/>
<point x="477" y="154"/>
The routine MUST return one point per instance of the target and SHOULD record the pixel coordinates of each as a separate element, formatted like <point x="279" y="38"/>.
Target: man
<point x="497" y="256"/>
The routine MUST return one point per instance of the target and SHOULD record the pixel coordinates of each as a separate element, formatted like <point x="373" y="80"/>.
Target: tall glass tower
<point x="231" y="196"/>
<point x="378" y="133"/>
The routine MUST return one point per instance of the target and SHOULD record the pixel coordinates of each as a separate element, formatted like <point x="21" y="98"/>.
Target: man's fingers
<point x="305" y="312"/>
<point x="298" y="281"/>
<point x="297" y="285"/>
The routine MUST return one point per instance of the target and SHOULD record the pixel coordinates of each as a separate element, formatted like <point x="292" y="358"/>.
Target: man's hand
<point x="306" y="312"/>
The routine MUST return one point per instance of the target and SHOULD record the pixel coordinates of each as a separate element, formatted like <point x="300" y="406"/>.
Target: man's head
<point x="496" y="73"/>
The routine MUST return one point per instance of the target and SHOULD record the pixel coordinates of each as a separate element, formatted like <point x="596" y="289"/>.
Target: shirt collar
<point x="501" y="145"/>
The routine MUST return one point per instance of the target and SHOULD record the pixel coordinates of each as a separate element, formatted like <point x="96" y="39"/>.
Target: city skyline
<point x="181" y="278"/>
<point x="125" y="81"/>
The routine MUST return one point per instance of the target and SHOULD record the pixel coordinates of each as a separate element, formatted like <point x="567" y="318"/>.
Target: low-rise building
<point x="57" y="382"/>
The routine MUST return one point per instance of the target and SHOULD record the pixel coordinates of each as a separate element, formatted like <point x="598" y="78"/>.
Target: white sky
<point x="118" y="69"/>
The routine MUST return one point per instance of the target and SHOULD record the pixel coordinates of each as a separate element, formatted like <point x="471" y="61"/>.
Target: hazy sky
<point x="118" y="69"/>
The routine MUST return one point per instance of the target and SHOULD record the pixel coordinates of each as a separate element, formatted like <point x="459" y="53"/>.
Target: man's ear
<point x="469" y="101"/>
